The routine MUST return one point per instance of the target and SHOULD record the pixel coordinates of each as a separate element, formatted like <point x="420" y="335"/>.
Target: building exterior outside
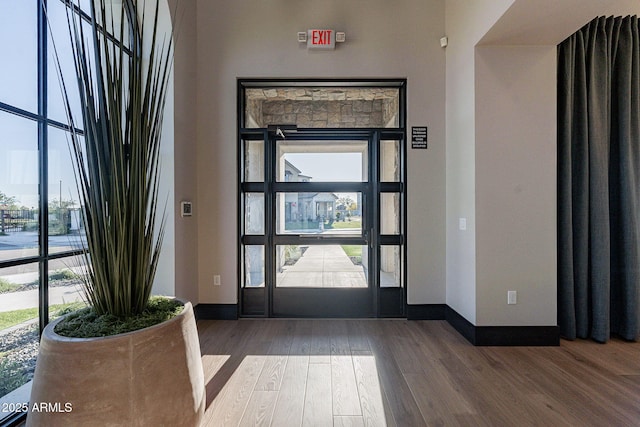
<point x="306" y="207"/>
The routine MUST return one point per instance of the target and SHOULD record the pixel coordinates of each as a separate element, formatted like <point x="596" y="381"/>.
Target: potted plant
<point x="150" y="376"/>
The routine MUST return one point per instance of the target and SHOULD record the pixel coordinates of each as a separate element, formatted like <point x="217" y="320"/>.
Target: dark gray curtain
<point x="599" y="181"/>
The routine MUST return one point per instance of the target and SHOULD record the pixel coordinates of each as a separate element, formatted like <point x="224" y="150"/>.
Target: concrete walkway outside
<point x="322" y="266"/>
<point x="29" y="299"/>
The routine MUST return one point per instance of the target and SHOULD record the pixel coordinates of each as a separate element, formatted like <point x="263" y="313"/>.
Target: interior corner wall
<point x="515" y="165"/>
<point x="501" y="153"/>
<point x="185" y="150"/>
<point x="466" y="22"/>
<point x="516" y="159"/>
<point x="254" y="38"/>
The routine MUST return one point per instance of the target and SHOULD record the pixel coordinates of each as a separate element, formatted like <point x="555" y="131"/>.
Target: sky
<point x="329" y="167"/>
<point x="19" y="88"/>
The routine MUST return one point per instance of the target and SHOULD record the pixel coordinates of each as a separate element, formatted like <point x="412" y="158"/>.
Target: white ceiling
<point x="549" y="22"/>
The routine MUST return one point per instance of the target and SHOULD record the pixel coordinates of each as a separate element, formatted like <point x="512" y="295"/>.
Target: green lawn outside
<point x="15" y="317"/>
<point x="346" y="224"/>
<point x="6" y="286"/>
<point x="11" y="318"/>
<point x="352" y="250"/>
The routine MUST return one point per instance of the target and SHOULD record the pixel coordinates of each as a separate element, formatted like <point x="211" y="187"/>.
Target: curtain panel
<point x="599" y="181"/>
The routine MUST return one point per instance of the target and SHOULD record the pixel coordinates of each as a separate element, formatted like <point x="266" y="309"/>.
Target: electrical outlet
<point x="512" y="297"/>
<point x="216" y="280"/>
<point x="462" y="224"/>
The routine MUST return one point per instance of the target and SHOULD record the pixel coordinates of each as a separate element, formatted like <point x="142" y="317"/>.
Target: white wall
<point x="253" y="38"/>
<point x="516" y="184"/>
<point x="185" y="153"/>
<point x="466" y="22"/>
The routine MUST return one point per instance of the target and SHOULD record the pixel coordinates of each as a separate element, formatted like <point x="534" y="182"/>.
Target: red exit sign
<point x="321" y="39"/>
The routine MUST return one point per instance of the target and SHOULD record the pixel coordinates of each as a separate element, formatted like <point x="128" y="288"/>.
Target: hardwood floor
<point x="408" y="373"/>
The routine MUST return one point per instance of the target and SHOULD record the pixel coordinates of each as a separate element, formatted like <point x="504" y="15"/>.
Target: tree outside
<point x="8" y="202"/>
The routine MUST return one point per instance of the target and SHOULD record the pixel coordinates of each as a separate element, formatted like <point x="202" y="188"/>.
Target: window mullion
<point x="43" y="166"/>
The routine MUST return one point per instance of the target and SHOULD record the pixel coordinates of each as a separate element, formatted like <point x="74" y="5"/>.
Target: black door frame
<point x="374" y="301"/>
<point x="321" y="302"/>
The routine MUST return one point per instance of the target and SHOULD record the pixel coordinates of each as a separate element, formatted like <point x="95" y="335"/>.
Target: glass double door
<point x="322" y="234"/>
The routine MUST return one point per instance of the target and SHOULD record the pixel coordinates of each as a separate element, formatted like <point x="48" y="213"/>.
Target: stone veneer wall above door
<point x="324" y="114"/>
<point x="323" y="107"/>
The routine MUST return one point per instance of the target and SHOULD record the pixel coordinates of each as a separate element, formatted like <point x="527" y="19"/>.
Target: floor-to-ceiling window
<point x="41" y="231"/>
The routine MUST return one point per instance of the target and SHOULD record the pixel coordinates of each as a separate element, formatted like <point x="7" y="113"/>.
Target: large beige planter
<point x="151" y="377"/>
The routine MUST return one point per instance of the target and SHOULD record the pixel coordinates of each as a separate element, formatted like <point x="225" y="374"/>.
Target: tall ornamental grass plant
<point x="122" y="68"/>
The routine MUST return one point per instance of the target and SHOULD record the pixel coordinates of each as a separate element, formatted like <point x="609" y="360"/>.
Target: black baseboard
<point x="518" y="336"/>
<point x="462" y="325"/>
<point x="476" y="335"/>
<point x="216" y="311"/>
<point x="426" y="311"/>
<point x="503" y="335"/>
<point x="486" y="335"/>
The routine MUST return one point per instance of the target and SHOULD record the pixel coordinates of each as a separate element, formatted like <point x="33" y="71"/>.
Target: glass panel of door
<point x="315" y="218"/>
<point x="321" y="225"/>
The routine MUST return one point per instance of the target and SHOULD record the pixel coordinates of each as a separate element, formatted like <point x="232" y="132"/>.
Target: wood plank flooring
<point x="408" y="373"/>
